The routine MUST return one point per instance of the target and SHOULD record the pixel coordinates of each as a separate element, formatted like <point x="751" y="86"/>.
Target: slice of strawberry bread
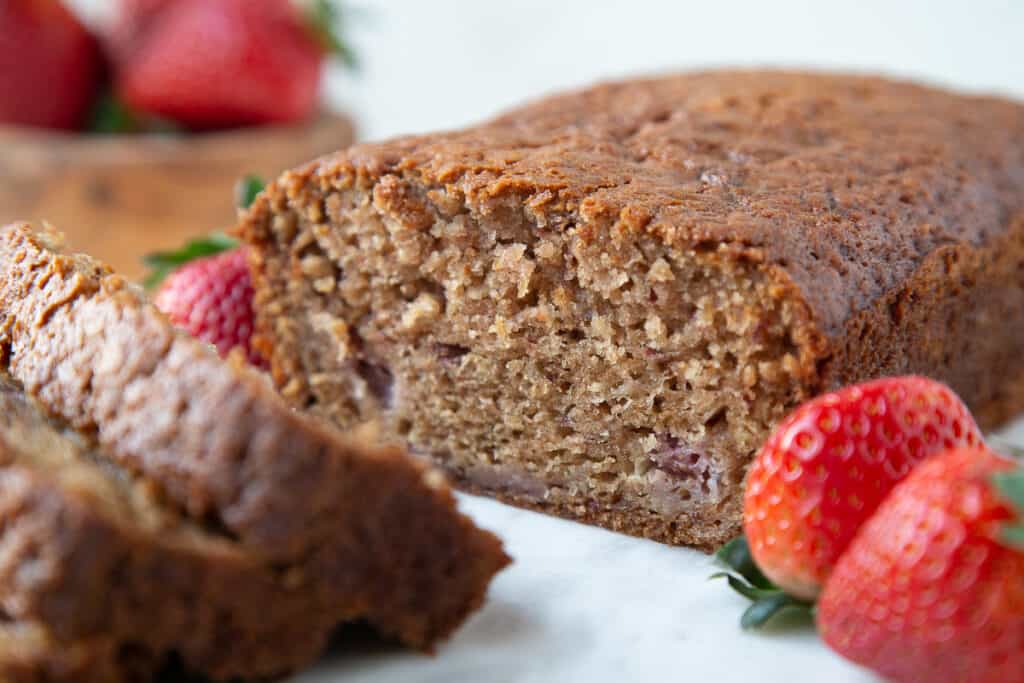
<point x="94" y="565"/>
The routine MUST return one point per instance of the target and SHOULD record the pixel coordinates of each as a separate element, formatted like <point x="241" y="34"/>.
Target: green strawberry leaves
<point x="246" y="190"/>
<point x="768" y="601"/>
<point x="163" y="263"/>
<point x="736" y="555"/>
<point x="766" y="604"/>
<point x="111" y="116"/>
<point x="324" y="20"/>
<point x="1011" y="486"/>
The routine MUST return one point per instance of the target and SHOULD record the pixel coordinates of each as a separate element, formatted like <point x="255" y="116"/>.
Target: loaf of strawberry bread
<point x="597" y="305"/>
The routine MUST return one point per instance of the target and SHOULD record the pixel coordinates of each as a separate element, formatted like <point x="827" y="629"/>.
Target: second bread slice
<point x="94" y="568"/>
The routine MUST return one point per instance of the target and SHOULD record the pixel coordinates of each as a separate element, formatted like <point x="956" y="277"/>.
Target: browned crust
<point x="889" y="212"/>
<point x="369" y="530"/>
<point x="843" y="182"/>
<point x="959" y="318"/>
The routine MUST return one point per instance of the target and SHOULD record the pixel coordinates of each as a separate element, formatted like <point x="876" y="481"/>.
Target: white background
<point x="433" y="64"/>
<point x="582" y="604"/>
<point x="430" y="64"/>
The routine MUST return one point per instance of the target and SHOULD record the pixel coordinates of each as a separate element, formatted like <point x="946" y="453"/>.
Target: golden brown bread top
<point x="841" y="184"/>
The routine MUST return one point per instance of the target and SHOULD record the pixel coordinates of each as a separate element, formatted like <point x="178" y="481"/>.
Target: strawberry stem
<point x="324" y="21"/>
<point x="111" y="116"/>
<point x="767" y="600"/>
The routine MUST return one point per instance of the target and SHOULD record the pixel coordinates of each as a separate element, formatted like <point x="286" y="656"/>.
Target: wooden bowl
<point x="120" y="197"/>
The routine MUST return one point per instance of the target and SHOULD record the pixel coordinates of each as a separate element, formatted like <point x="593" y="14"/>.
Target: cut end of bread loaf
<point x="612" y="380"/>
<point x="597" y="305"/>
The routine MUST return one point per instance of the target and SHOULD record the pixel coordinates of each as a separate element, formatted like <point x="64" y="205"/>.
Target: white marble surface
<point x="583" y="604"/>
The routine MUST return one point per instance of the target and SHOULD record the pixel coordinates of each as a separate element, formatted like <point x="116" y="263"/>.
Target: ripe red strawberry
<point x="221" y="63"/>
<point x="932" y="587"/>
<point x="49" y="65"/>
<point x="830" y="463"/>
<point x="211" y="297"/>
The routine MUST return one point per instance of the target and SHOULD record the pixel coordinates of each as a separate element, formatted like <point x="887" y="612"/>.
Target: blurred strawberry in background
<point x="175" y="64"/>
<point x="50" y="66"/>
<point x="172" y="99"/>
<point x="222" y="63"/>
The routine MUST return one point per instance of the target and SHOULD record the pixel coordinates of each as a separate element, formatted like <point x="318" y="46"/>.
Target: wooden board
<point x="119" y="197"/>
